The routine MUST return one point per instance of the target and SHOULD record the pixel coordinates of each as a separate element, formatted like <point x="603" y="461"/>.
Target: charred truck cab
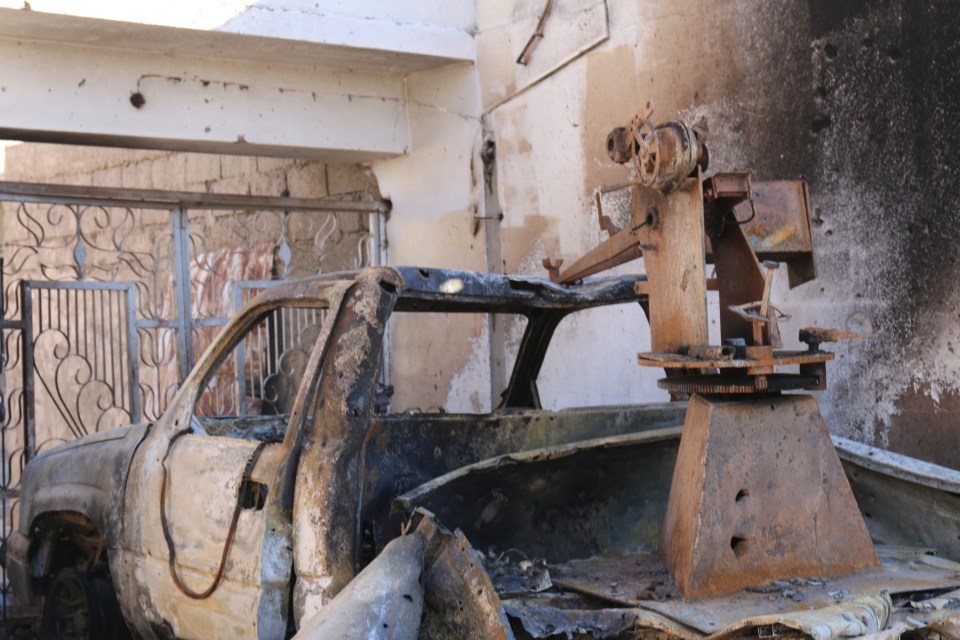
<point x="278" y="495"/>
<point x="242" y="526"/>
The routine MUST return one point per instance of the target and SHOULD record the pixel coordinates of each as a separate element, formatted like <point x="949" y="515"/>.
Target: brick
<point x="200" y="167"/>
<point x="265" y="165"/>
<point x="168" y="172"/>
<point x="233" y="166"/>
<point x="237" y="185"/>
<point x="307" y="180"/>
<point x="79" y="179"/>
<point x="31" y="162"/>
<point x="137" y="175"/>
<point x="106" y="177"/>
<point x="349" y="178"/>
<point x="352" y="223"/>
<point x="266" y="184"/>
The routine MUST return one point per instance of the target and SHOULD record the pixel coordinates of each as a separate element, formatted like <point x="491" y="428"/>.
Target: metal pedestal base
<point x="758" y="494"/>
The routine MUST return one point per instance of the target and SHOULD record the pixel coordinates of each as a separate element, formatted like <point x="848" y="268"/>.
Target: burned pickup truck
<point x="247" y="526"/>
<point x="278" y="495"/>
<point x="243" y="525"/>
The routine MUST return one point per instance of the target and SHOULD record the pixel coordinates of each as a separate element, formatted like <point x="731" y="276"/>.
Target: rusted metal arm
<point x="536" y="37"/>
<point x="620" y="248"/>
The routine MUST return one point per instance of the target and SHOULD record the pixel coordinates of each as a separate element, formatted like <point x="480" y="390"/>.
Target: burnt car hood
<point x="85" y="476"/>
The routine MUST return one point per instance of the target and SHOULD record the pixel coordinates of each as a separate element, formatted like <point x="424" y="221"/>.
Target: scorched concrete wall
<point x="859" y="97"/>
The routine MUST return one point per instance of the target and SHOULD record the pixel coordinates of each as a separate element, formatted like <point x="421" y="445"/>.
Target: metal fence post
<point x="181" y="252"/>
<point x="29" y="419"/>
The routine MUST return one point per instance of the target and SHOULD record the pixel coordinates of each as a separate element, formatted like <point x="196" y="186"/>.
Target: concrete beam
<point x="290" y="32"/>
<point x="62" y="92"/>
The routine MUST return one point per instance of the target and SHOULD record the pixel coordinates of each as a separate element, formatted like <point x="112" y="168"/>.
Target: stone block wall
<point x="174" y="171"/>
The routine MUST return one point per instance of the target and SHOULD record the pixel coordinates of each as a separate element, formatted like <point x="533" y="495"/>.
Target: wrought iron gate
<point x="80" y="352"/>
<point x="109" y="295"/>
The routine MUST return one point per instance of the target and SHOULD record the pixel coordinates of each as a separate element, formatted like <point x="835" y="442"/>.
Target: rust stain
<point x="524" y="246"/>
<point x="607" y="104"/>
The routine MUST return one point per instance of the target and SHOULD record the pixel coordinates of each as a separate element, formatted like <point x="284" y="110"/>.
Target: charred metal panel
<point x="403" y="451"/>
<point x="384" y="601"/>
<point x="253" y="599"/>
<point x="888" y="485"/>
<point x="460" y="599"/>
<point x="465" y="291"/>
<point x="326" y="511"/>
<point x="85" y="476"/>
<point x="569" y="501"/>
<point x="571" y="615"/>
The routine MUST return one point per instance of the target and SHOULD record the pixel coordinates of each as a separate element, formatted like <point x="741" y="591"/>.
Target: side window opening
<point x="592" y="360"/>
<point x="251" y="393"/>
<point x="441" y="361"/>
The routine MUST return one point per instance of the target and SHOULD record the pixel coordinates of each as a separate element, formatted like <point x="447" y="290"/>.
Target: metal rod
<point x="181" y="250"/>
<point x="170" y="200"/>
<point x="121" y="387"/>
<point x="133" y="361"/>
<point x="240" y="358"/>
<point x="29" y="433"/>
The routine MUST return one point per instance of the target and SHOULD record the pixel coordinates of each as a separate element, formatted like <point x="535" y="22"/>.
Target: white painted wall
<point x="599" y="60"/>
<point x="535" y="115"/>
<point x="216" y="14"/>
<point x="314" y="80"/>
<point x="196" y="103"/>
<point x="436" y="190"/>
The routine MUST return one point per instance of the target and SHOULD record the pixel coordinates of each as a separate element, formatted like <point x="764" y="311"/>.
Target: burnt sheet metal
<point x="427" y="584"/>
<point x="623" y="580"/>
<point x="888" y="485"/>
<point x="448" y="290"/>
<point x="857" y="617"/>
<point x="460" y="599"/>
<point x="776" y="220"/>
<point x="940" y="614"/>
<point x="601" y="496"/>
<point x="877" y="615"/>
<point x="512" y="577"/>
<point x="384" y="601"/>
<point x="627" y="581"/>
<point x="403" y="451"/>
<point x="860" y="617"/>
<point x="565" y="615"/>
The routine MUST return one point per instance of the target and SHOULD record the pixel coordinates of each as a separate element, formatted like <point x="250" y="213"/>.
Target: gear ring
<point x="715" y="383"/>
<point x="646" y="149"/>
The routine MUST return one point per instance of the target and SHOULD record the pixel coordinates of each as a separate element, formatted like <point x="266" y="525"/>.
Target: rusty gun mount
<point x="662" y="155"/>
<point x="747" y="453"/>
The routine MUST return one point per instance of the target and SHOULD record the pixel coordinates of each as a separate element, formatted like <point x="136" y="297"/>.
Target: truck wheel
<point x="81" y="606"/>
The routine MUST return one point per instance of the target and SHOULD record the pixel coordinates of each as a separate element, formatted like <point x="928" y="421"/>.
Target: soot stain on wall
<point x="862" y="99"/>
<point x="870" y="119"/>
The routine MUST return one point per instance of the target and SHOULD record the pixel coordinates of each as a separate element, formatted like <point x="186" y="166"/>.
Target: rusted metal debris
<point x="663" y="156"/>
<point x="429" y="583"/>
<point x="619" y="594"/>
<point x="385" y="600"/>
<point x="631" y="596"/>
<point x="815" y="336"/>
<point x="717" y="537"/>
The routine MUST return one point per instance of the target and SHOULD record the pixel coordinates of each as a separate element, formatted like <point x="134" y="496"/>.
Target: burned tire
<point x="81" y="606"/>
